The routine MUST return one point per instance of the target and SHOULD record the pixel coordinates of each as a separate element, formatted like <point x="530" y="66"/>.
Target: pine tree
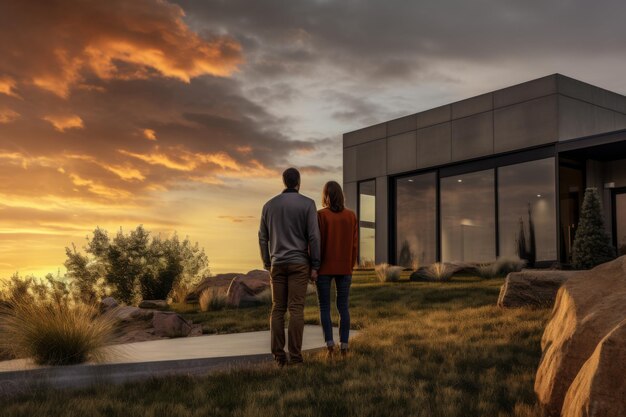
<point x="592" y="245"/>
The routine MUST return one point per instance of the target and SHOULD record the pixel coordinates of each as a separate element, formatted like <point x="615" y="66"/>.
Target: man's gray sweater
<point x="289" y="233"/>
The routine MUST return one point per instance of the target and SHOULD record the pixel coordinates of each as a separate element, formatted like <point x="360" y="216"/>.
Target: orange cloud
<point x="65" y="122"/>
<point x="149" y="134"/>
<point x="7" y="115"/>
<point x="7" y="84"/>
<point x="111" y="39"/>
<point x="237" y="219"/>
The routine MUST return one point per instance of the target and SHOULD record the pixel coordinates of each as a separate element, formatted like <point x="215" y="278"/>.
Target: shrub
<point x="501" y="267"/>
<point x="55" y="333"/>
<point x="136" y="266"/>
<point x="212" y="299"/>
<point x="592" y="245"/>
<point x="506" y="265"/>
<point x="388" y="273"/>
<point x="439" y="272"/>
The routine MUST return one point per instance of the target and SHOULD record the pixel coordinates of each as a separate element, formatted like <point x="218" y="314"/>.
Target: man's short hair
<point x="291" y="178"/>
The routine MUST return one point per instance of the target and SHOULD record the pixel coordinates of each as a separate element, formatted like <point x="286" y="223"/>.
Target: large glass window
<point x="416" y="217"/>
<point x="468" y="227"/>
<point x="527" y="210"/>
<point x="367" y="223"/>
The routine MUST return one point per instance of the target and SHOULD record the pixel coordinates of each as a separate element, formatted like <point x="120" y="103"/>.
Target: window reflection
<point x="527" y="209"/>
<point x="367" y="222"/>
<point x="416" y="216"/>
<point x="468" y="217"/>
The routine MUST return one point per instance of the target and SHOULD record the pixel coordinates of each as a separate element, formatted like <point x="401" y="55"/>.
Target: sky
<point x="181" y="115"/>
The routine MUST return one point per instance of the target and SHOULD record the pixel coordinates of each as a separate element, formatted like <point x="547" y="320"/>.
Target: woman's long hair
<point x="332" y="196"/>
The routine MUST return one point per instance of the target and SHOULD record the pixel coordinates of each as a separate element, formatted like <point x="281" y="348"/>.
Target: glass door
<point x="619" y="220"/>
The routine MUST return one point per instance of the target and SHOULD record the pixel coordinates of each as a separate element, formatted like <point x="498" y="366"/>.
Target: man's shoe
<point x="344" y="353"/>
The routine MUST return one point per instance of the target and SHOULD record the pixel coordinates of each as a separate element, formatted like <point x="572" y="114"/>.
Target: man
<point x="289" y="237"/>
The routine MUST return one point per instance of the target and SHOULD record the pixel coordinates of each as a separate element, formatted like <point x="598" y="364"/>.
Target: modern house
<point x="483" y="177"/>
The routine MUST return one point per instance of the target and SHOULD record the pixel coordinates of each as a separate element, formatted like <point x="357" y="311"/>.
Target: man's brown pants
<point x="289" y="285"/>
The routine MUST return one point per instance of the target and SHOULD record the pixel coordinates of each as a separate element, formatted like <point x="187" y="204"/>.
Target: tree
<point x="592" y="245"/>
<point x="136" y="266"/>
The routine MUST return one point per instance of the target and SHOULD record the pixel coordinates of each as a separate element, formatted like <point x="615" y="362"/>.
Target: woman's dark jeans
<point x="342" y="282"/>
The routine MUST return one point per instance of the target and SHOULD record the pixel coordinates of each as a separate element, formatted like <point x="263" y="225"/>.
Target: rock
<point x="244" y="289"/>
<point x="599" y="389"/>
<point x="169" y="324"/>
<point x="219" y="281"/>
<point x="130" y="313"/>
<point x="532" y="288"/>
<point x="588" y="307"/>
<point x="154" y="304"/>
<point x="107" y="304"/>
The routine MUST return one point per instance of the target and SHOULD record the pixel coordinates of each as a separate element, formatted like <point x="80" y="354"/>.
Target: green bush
<point x="54" y="333"/>
<point x="592" y="245"/>
<point x="136" y="266"/>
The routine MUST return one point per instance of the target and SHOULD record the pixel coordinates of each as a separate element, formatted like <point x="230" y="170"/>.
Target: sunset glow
<point x="181" y="115"/>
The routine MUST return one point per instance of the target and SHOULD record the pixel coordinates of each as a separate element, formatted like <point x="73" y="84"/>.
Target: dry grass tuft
<point x="440" y="272"/>
<point x="388" y="273"/>
<point x="55" y="333"/>
<point x="212" y="299"/>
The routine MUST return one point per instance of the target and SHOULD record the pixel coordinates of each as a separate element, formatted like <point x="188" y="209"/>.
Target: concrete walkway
<point x="133" y="361"/>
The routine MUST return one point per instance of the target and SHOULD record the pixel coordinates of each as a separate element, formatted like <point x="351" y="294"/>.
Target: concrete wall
<point x="538" y="112"/>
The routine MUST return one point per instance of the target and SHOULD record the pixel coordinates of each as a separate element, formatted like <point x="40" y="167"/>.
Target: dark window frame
<point x="465" y="167"/>
<point x="614" y="193"/>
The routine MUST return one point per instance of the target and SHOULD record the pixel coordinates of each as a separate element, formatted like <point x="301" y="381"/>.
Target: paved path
<point x="132" y="361"/>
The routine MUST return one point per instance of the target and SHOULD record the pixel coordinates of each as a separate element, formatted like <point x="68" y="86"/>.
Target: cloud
<point x="7" y="86"/>
<point x="237" y="219"/>
<point x="149" y="134"/>
<point x="109" y="40"/>
<point x="7" y="115"/>
<point x="65" y="122"/>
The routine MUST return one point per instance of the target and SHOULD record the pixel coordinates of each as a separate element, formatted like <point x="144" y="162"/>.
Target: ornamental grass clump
<point x="55" y="333"/>
<point x="388" y="273"/>
<point x="212" y="299"/>
<point x="501" y="267"/>
<point x="439" y="272"/>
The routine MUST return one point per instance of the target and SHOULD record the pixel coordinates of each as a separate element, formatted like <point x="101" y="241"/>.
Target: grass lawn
<point x="425" y="349"/>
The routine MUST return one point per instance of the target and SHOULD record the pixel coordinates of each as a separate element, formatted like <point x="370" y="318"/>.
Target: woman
<point x="339" y="245"/>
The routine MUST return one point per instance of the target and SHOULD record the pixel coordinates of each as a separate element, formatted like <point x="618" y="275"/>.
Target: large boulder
<point x="134" y="324"/>
<point x="154" y="304"/>
<point x="245" y="290"/>
<point x="221" y="282"/>
<point x="588" y="307"/>
<point x="169" y="324"/>
<point x="599" y="389"/>
<point x="532" y="288"/>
